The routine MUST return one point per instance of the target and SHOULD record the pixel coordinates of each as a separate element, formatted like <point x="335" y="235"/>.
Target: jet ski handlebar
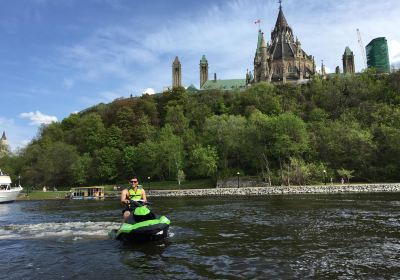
<point x="138" y="203"/>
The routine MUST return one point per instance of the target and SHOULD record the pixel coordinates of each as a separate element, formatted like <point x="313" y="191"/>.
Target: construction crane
<point x="362" y="48"/>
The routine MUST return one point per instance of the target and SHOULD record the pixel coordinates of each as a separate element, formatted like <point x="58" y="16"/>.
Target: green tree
<point x="171" y="151"/>
<point x="147" y="160"/>
<point x="113" y="137"/>
<point x="180" y="176"/>
<point x="125" y="120"/>
<point x="344" y="173"/>
<point x="176" y="118"/>
<point x="107" y="164"/>
<point x="204" y="160"/>
<point x="143" y="129"/>
<point x="80" y="170"/>
<point x="90" y="133"/>
<point x="289" y="138"/>
<point x="130" y="159"/>
<point x="227" y="134"/>
<point x="55" y="162"/>
<point x="345" y="144"/>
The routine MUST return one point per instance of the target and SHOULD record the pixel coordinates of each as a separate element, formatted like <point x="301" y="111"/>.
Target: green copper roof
<point x="203" y="60"/>
<point x="348" y="51"/>
<point x="225" y="84"/>
<point x="259" y="41"/>
<point x="191" y="88"/>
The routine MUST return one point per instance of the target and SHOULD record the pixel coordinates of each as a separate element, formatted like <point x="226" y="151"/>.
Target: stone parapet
<point x="252" y="191"/>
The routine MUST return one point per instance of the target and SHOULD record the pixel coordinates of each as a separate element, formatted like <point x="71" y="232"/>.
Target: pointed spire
<point x="176" y="61"/>
<point x="281" y="20"/>
<point x="347" y="51"/>
<point x="263" y="45"/>
<point x="176" y="73"/>
<point x="259" y="41"/>
<point x="282" y="29"/>
<point x="203" y="60"/>
<point x="3" y="137"/>
<point x="203" y="70"/>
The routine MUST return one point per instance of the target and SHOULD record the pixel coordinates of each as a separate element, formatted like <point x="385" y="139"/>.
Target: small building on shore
<point x="87" y="193"/>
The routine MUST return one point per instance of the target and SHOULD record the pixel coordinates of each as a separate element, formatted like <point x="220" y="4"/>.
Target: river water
<point x="349" y="236"/>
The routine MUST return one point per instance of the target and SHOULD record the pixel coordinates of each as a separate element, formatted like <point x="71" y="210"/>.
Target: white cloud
<point x="225" y="32"/>
<point x="149" y="91"/>
<point x="4" y="122"/>
<point x="68" y="83"/>
<point x="37" y="118"/>
<point x="394" y="51"/>
<point x="17" y="135"/>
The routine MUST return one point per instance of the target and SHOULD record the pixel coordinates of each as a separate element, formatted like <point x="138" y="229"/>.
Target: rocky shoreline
<point x="278" y="190"/>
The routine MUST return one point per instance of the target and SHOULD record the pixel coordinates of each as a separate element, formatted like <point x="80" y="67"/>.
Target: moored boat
<point x="8" y="193"/>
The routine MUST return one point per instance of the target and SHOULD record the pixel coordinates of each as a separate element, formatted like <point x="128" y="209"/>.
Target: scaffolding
<point x="378" y="55"/>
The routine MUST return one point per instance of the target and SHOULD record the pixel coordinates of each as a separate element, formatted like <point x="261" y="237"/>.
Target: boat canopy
<point x="5" y="180"/>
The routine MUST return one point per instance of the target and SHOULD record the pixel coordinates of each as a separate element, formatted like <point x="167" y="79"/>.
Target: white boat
<point x="8" y="193"/>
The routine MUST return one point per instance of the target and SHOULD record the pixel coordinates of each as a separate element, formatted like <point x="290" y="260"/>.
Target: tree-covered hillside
<point x="340" y="127"/>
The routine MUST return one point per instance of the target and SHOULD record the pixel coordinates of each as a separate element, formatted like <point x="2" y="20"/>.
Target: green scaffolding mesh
<point x="378" y="55"/>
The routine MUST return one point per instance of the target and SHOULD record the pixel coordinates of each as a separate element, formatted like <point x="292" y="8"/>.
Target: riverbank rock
<point x="275" y="190"/>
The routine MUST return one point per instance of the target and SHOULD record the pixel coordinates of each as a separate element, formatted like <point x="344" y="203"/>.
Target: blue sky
<point x="61" y="56"/>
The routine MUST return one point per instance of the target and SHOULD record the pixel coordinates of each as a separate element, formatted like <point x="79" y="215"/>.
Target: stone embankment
<point x="250" y="191"/>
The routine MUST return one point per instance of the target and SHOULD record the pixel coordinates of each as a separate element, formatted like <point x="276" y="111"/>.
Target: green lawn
<point x="171" y="185"/>
<point x="109" y="189"/>
<point x="38" y="195"/>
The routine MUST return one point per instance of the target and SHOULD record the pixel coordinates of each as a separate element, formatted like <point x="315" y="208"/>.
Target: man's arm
<point x="124" y="195"/>
<point x="144" y="195"/>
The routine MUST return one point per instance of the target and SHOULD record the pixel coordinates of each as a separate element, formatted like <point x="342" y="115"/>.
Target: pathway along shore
<point x="277" y="190"/>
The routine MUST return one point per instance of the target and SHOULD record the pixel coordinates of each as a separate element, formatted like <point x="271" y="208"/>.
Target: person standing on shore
<point x="134" y="192"/>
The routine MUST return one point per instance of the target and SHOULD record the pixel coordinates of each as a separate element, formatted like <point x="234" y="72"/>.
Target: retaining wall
<point x="249" y="191"/>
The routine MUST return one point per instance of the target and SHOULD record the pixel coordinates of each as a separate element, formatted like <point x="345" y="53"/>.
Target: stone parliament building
<point x="282" y="60"/>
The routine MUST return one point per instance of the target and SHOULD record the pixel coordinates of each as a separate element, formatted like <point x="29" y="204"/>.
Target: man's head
<point x="133" y="182"/>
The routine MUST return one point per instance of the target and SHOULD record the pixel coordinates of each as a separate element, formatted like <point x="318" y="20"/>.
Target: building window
<point x="292" y="69"/>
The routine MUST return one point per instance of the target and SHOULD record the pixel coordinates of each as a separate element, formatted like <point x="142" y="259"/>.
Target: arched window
<point x="292" y="69"/>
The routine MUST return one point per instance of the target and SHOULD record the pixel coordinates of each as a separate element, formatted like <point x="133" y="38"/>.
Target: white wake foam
<point x="74" y="230"/>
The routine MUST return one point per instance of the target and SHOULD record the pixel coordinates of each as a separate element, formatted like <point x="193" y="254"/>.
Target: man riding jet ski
<point x="140" y="224"/>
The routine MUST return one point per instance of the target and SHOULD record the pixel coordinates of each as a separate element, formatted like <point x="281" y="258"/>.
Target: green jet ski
<point x="142" y="225"/>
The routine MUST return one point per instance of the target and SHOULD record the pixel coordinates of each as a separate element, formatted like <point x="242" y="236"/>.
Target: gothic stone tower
<point x="203" y="70"/>
<point x="348" y="61"/>
<point x="285" y="59"/>
<point x="3" y="139"/>
<point x="261" y="61"/>
<point x="176" y="73"/>
<point x="4" y="149"/>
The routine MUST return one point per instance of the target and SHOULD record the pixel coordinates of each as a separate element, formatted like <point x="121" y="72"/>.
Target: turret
<point x="348" y="61"/>
<point x="264" y="60"/>
<point x="4" y="149"/>
<point x="203" y="70"/>
<point x="323" y="72"/>
<point x="176" y="73"/>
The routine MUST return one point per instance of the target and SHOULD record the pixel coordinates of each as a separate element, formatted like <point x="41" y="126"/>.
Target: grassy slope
<point x="164" y="185"/>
